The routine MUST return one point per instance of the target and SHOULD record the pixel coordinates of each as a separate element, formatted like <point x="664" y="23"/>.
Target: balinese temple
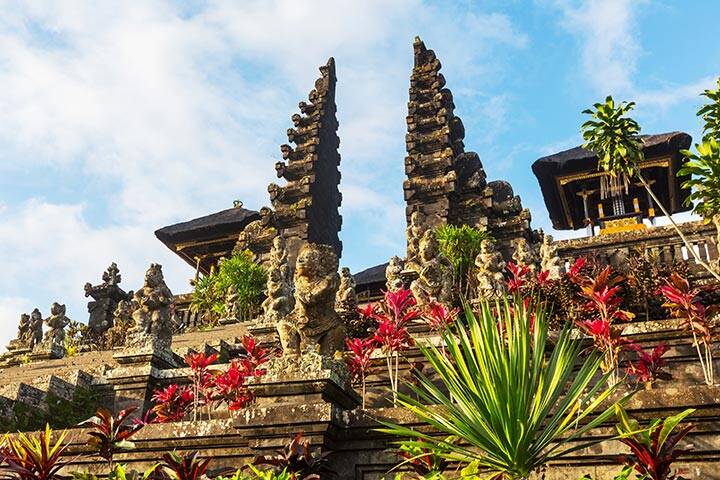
<point x="578" y="196"/>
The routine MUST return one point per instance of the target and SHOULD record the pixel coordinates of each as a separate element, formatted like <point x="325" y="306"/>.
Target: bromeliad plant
<point x="683" y="303"/>
<point x="512" y="407"/>
<point x="654" y="449"/>
<point x="110" y="434"/>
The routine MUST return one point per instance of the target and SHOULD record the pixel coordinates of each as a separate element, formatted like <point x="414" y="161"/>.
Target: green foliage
<point x="461" y="244"/>
<point x="238" y="271"/>
<point x="35" y="456"/>
<point x="613" y="136"/>
<point x="513" y="407"/>
<point x="704" y="170"/>
<point x="710" y="113"/>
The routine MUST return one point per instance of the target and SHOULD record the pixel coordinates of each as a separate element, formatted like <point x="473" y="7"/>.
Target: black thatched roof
<point x="212" y="236"/>
<point x="578" y="160"/>
<point x="371" y="280"/>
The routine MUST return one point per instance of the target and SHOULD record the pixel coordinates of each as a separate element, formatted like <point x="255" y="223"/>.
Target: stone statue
<point x="414" y="233"/>
<point x="346" y="299"/>
<point x="152" y="315"/>
<point x="549" y="259"/>
<point x="279" y="301"/>
<point x="524" y="255"/>
<point x="36" y="327"/>
<point x="393" y="274"/>
<point x="490" y="267"/>
<point x="24" y="335"/>
<point x="122" y="322"/>
<point x="56" y="322"/>
<point x="232" y="305"/>
<point x="105" y="299"/>
<point x="435" y="278"/>
<point x="313" y="323"/>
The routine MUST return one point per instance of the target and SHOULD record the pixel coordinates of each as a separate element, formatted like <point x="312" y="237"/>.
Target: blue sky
<point x="120" y="119"/>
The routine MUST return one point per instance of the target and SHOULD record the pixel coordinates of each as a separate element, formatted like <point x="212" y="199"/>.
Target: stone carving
<point x="549" y="259"/>
<point x="231" y="304"/>
<point x="152" y="313"/>
<point x="122" y="323"/>
<point x="490" y="267"/>
<point x="279" y="301"/>
<point x="414" y="233"/>
<point x="393" y="274"/>
<point x="313" y="323"/>
<point x="346" y="303"/>
<point x="105" y="300"/>
<point x="23" y="340"/>
<point x="56" y="323"/>
<point x="435" y="278"/>
<point x="36" y="327"/>
<point x="524" y="254"/>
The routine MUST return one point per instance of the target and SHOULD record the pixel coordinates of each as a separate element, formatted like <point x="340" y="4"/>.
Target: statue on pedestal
<point x="435" y="278"/>
<point x="314" y="324"/>
<point x="393" y="274"/>
<point x="152" y="322"/>
<point x="56" y="322"/>
<point x="549" y="259"/>
<point x="346" y="304"/>
<point x="36" y="327"/>
<point x="122" y="323"/>
<point x="490" y="267"/>
<point x="279" y="301"/>
<point x="524" y="255"/>
<point x="23" y="340"/>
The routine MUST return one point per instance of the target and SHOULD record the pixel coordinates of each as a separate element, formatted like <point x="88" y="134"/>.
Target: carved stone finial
<point x="435" y="276"/>
<point x="105" y="297"/>
<point x="549" y="259"/>
<point x="490" y="267"/>
<point x="152" y="313"/>
<point x="313" y="323"/>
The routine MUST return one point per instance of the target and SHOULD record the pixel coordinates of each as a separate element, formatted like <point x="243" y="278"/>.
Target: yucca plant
<point x="33" y="457"/>
<point x="615" y="138"/>
<point x="512" y="407"/>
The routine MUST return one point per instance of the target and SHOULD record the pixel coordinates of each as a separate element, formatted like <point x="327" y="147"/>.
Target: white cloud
<point x="180" y="110"/>
<point x="609" y="44"/>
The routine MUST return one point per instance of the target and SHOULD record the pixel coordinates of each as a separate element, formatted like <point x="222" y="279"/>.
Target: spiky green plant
<point x="615" y="138"/>
<point x="513" y="407"/>
<point x="461" y="245"/>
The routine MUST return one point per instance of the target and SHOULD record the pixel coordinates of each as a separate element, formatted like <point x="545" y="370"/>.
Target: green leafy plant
<point x="461" y="245"/>
<point x="239" y="271"/>
<point x="710" y="113"/>
<point x="34" y="456"/>
<point x="703" y="168"/>
<point x="615" y="138"/>
<point x="110" y="434"/>
<point x="653" y="448"/>
<point x="512" y="407"/>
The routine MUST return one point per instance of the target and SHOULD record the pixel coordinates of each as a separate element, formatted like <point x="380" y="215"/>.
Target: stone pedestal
<point x="309" y="395"/>
<point x="139" y="374"/>
<point x="47" y="352"/>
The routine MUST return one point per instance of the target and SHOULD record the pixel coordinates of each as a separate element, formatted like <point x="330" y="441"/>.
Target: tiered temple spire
<point x="305" y="209"/>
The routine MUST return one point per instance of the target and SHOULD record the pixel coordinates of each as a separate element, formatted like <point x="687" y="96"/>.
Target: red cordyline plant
<point x="683" y="303"/>
<point x="359" y="360"/>
<point x="110" y="434"/>
<point x="172" y="403"/>
<point x="202" y="378"/>
<point x="439" y="316"/>
<point x="603" y="303"/>
<point x="518" y="277"/>
<point x="649" y="366"/>
<point x="33" y="457"/>
<point x="393" y="315"/>
<point x="654" y="449"/>
<point x="185" y="467"/>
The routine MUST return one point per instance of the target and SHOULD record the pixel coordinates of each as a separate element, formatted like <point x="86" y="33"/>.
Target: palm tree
<point x="615" y="139"/>
<point x="513" y="407"/>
